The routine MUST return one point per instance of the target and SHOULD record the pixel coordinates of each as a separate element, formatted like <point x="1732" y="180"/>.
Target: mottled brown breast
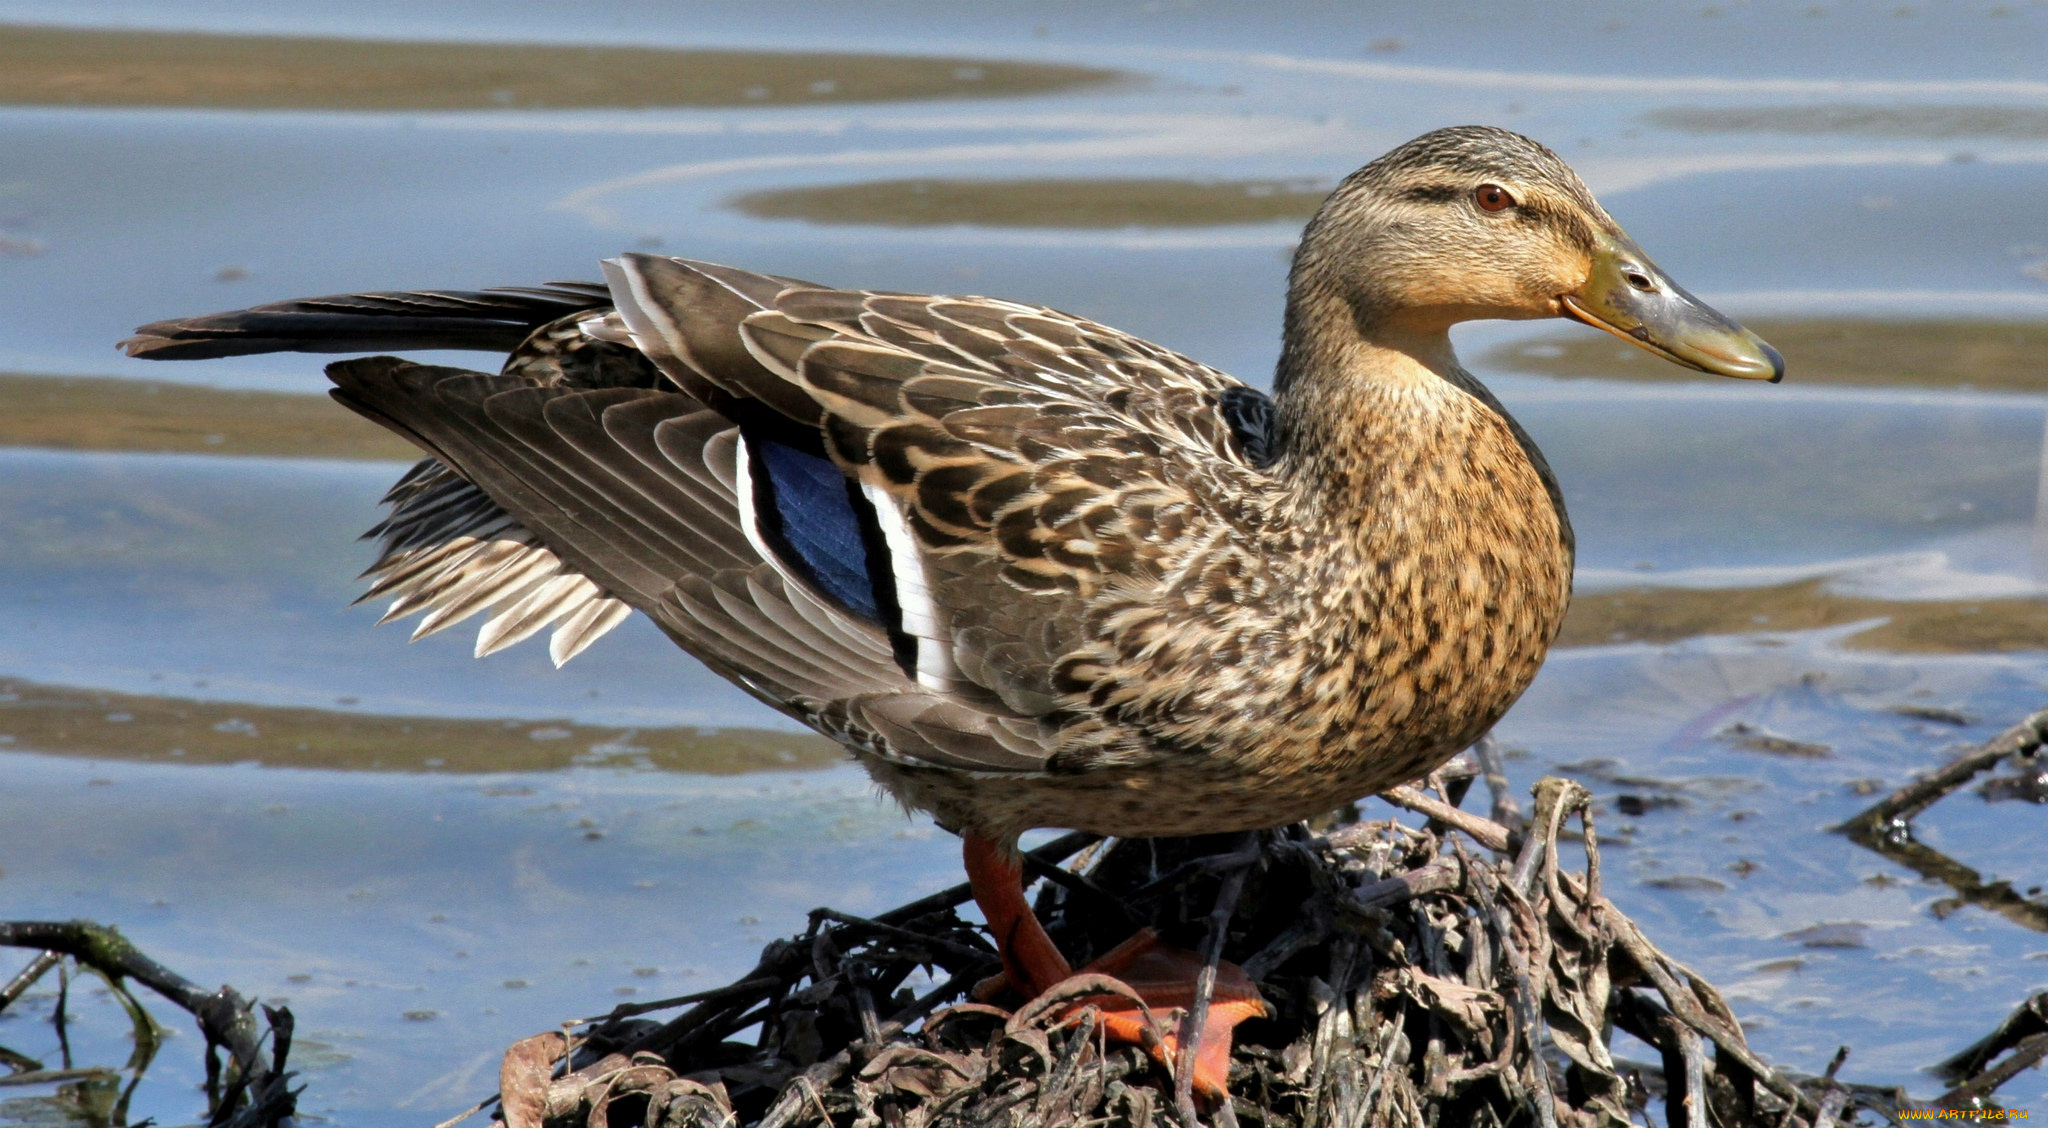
<point x="1336" y="642"/>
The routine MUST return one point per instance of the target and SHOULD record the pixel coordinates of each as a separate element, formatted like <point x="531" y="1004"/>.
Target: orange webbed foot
<point x="1164" y="977"/>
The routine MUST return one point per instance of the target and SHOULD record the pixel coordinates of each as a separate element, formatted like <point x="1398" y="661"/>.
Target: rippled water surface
<point x="1789" y="597"/>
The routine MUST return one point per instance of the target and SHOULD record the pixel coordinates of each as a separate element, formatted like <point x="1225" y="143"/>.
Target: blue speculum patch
<point x="810" y="517"/>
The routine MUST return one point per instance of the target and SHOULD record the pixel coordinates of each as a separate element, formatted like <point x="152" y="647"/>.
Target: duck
<point x="1029" y="570"/>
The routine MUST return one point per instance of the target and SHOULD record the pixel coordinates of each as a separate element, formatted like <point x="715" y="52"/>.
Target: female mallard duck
<point x="1031" y="571"/>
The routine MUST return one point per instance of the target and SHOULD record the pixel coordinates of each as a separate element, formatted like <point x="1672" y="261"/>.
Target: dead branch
<point x="251" y="1089"/>
<point x="1891" y="816"/>
<point x="1887" y="827"/>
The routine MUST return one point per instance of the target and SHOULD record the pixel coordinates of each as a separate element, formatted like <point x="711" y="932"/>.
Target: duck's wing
<point x="631" y="496"/>
<point x="1027" y="470"/>
<point x="892" y="516"/>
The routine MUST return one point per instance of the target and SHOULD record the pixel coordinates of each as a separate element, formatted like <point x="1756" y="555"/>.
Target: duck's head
<point x="1476" y="222"/>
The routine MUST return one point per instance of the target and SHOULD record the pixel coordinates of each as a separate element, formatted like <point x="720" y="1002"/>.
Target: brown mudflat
<point x="66" y="721"/>
<point x="1925" y="122"/>
<point x="1078" y="203"/>
<point x="1665" y="614"/>
<point x="102" y="67"/>
<point x="1865" y="351"/>
<point x="89" y="413"/>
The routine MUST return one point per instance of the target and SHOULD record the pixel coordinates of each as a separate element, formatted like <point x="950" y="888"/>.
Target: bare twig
<point x="53" y="1076"/>
<point x="856" y="924"/>
<point x="1526" y="998"/>
<point x="1192" y="1026"/>
<point x="1830" y="1107"/>
<point x="1888" y="817"/>
<point x="1836" y="1096"/>
<point x="1694" y="1099"/>
<point x="1442" y="874"/>
<point x="1058" y="850"/>
<point x="1886" y="827"/>
<point x="36" y="969"/>
<point x="1229" y="861"/>
<point x="1506" y="811"/>
<point x="256" y="1090"/>
<point x="472" y="1110"/>
<point x="1970" y="1094"/>
<point x="60" y="1018"/>
<point x="1489" y="834"/>
<point x="2029" y="1018"/>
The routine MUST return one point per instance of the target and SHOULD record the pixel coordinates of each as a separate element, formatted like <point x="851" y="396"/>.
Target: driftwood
<point x="250" y="1088"/>
<point x="1462" y="973"/>
<point x="1892" y="816"/>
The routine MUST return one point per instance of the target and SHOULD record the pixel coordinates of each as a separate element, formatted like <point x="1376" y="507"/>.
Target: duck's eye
<point x="1493" y="198"/>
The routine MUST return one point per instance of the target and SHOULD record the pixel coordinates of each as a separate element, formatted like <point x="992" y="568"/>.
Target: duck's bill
<point x="1629" y="297"/>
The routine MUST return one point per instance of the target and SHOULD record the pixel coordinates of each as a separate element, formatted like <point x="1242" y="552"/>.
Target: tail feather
<point x="448" y="550"/>
<point x="485" y="320"/>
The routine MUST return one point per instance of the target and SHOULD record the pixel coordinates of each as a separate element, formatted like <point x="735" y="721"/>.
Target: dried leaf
<point x="1033" y="1040"/>
<point x="1069" y="995"/>
<point x="684" y="1103"/>
<point x="965" y="1026"/>
<point x="900" y="1055"/>
<point x="524" y="1075"/>
<point x="1470" y="1009"/>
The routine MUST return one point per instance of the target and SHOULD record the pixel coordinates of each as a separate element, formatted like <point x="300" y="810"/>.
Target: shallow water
<point x="1789" y="596"/>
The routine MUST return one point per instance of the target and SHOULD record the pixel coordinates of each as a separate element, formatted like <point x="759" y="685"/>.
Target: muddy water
<point x="1790" y="597"/>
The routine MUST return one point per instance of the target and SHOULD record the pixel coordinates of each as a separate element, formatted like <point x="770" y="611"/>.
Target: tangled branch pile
<point x="1461" y="973"/>
<point x="1415" y="978"/>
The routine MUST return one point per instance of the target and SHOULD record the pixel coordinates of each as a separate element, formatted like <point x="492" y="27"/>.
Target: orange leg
<point x="996" y="875"/>
<point x="1163" y="976"/>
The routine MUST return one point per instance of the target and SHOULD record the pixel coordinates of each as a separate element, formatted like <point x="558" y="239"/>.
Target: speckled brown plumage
<point x="1158" y="602"/>
<point x="1302" y="647"/>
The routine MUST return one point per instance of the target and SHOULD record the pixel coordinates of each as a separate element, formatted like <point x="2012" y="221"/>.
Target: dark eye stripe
<point x="1571" y="222"/>
<point x="1436" y="193"/>
<point x="1532" y="212"/>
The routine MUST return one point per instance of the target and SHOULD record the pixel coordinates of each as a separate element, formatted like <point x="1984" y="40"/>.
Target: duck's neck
<point x="1356" y="387"/>
<point x="1377" y="417"/>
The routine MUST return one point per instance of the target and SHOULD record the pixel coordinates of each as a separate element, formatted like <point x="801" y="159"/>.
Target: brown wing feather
<point x="1058" y="475"/>
<point x="626" y="484"/>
